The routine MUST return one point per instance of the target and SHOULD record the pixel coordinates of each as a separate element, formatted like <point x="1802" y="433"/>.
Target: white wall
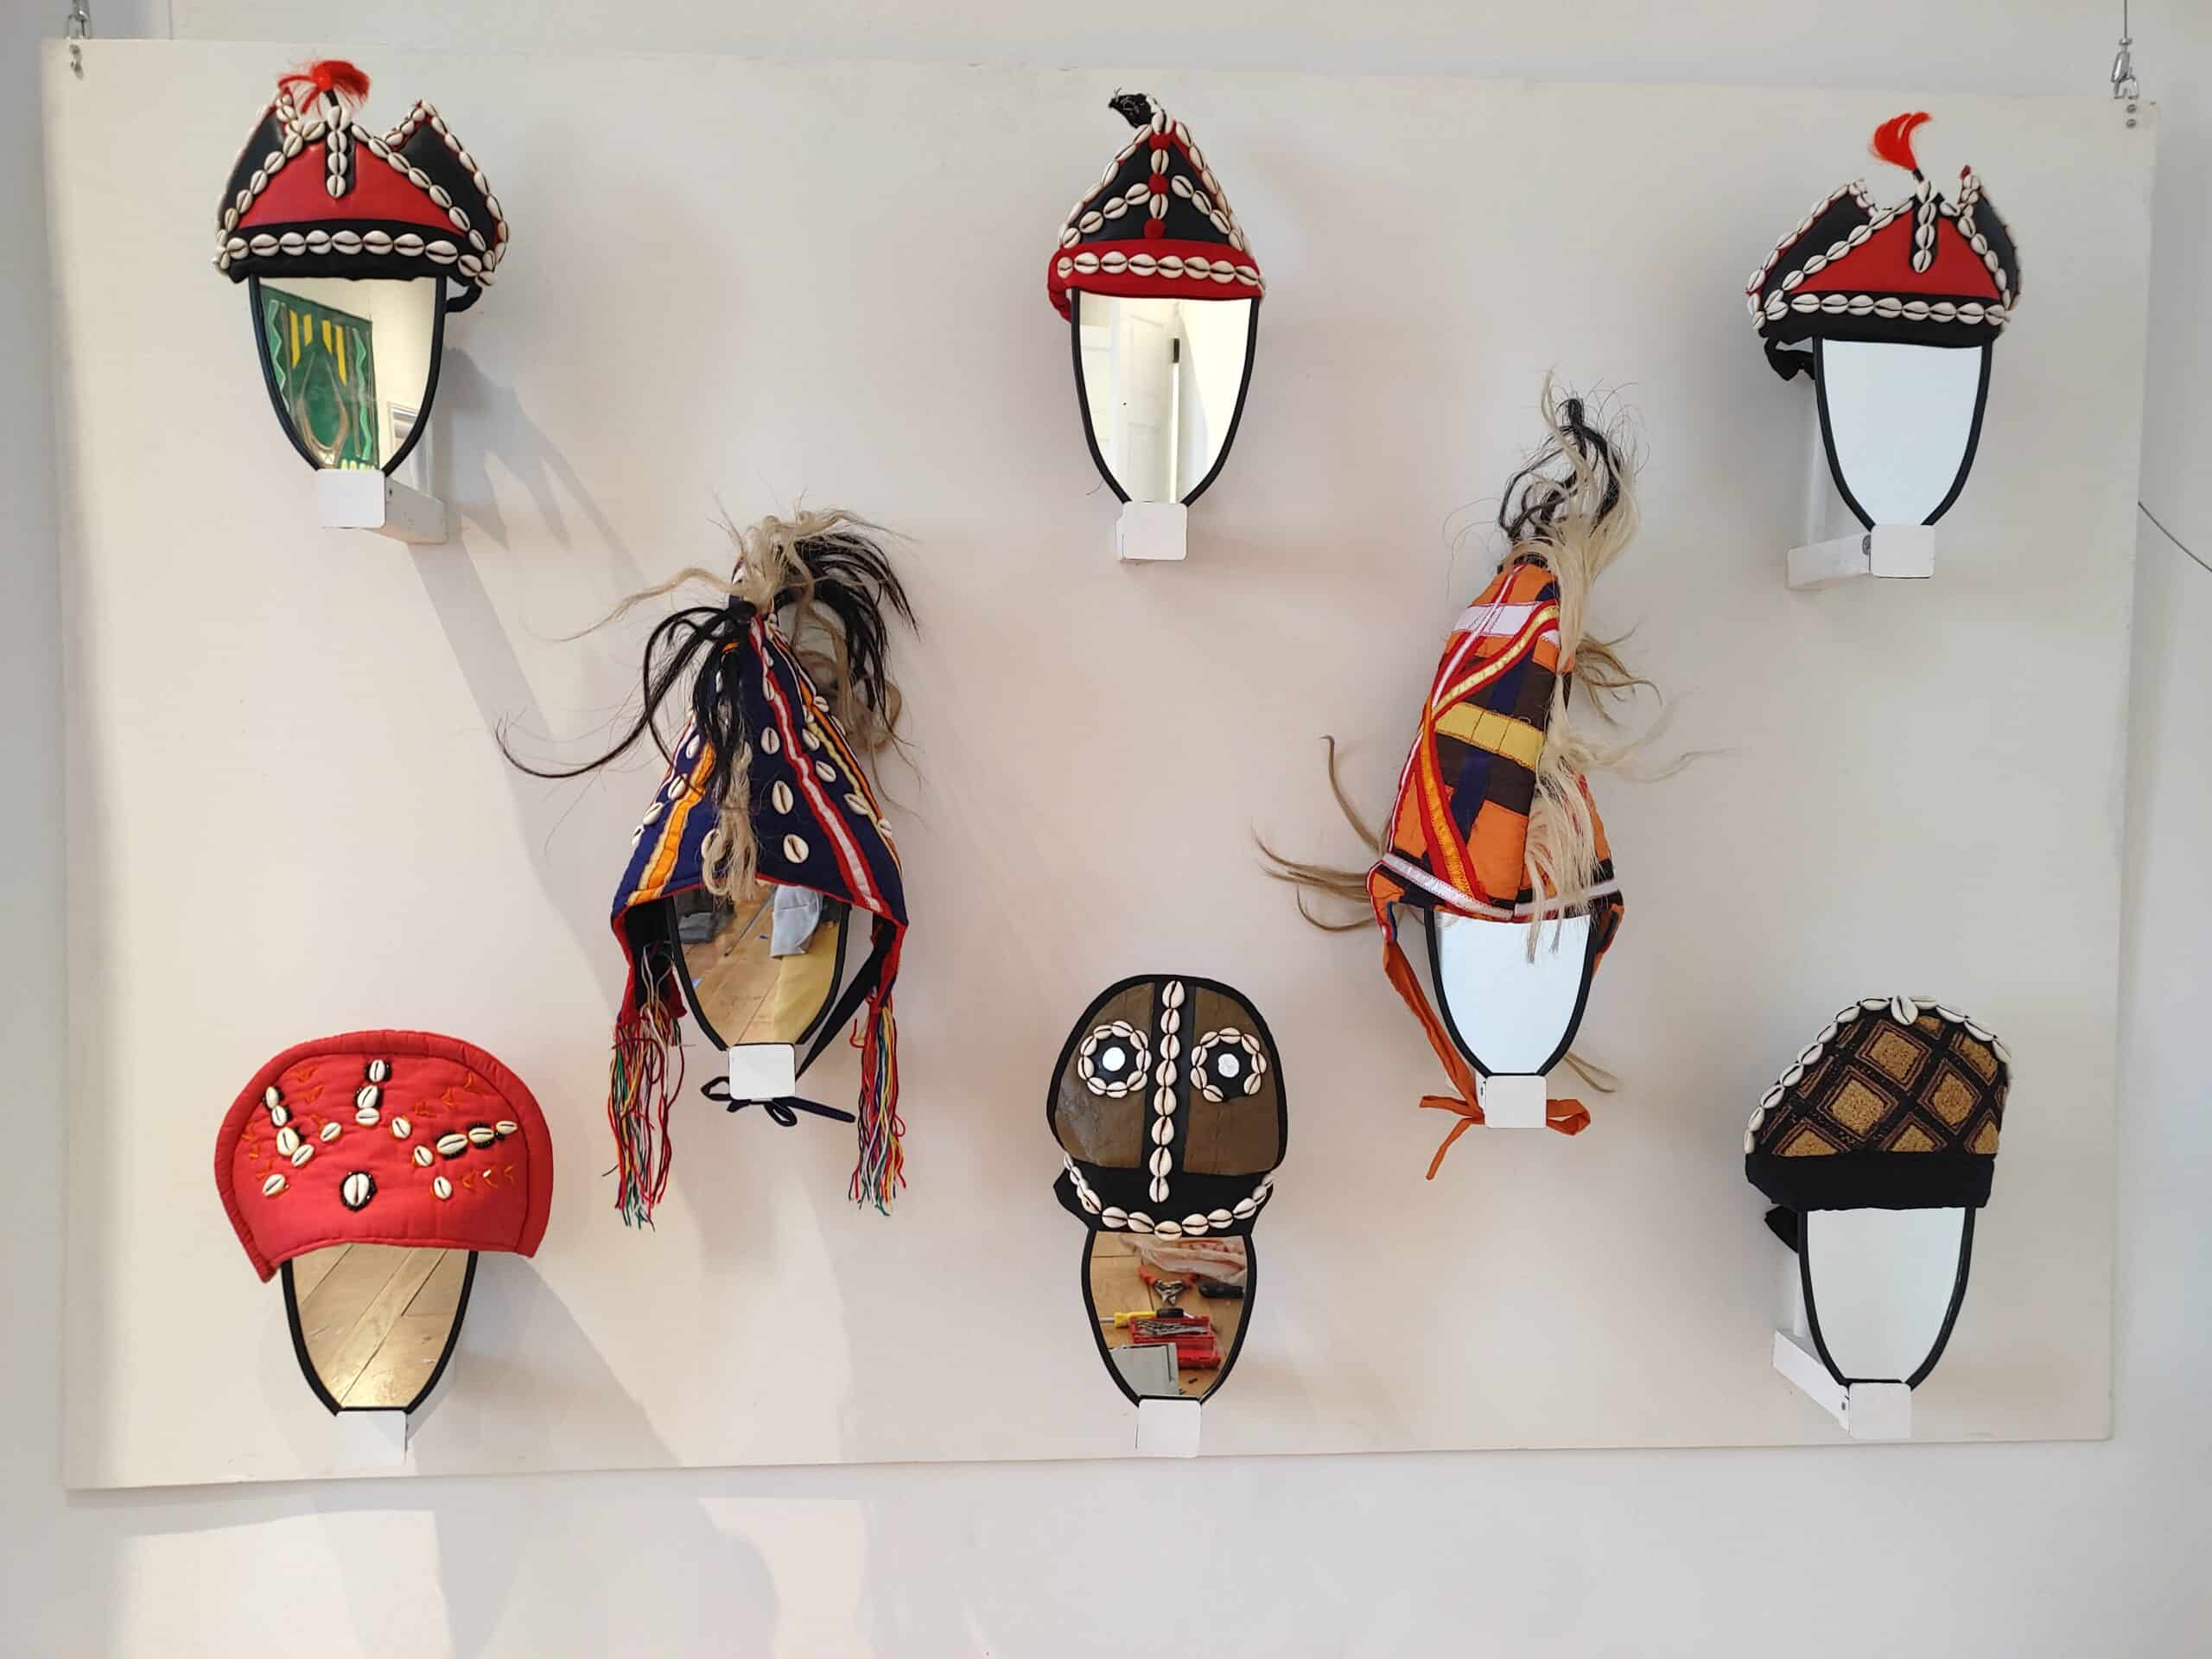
<point x="2010" y="1550"/>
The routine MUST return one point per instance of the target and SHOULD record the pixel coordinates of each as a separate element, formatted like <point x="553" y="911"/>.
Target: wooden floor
<point x="1117" y="1287"/>
<point x="376" y="1316"/>
<point x="735" y="978"/>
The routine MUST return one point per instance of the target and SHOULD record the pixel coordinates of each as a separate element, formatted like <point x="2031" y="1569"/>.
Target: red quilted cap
<point x="384" y="1137"/>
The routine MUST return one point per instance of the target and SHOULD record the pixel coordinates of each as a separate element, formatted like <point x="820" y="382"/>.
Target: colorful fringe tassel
<point x="640" y="1090"/>
<point x="881" y="1170"/>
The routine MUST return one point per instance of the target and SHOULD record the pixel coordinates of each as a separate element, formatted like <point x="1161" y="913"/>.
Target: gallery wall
<point x="1566" y="1554"/>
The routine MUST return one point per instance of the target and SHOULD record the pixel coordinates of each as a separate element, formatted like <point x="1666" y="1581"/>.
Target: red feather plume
<point x="326" y="75"/>
<point x="1893" y="141"/>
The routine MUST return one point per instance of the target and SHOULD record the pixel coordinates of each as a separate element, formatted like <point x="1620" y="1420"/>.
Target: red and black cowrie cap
<point x="1156" y="224"/>
<point x="316" y="194"/>
<point x="1927" y="271"/>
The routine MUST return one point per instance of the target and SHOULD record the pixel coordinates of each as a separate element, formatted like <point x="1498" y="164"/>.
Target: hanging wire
<point x="2124" y="84"/>
<point x="76" y="28"/>
<point x="2187" y="552"/>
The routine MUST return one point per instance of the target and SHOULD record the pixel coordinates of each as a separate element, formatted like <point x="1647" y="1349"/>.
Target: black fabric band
<point x="1126" y="1189"/>
<point x="783" y="1108"/>
<point x="1874" y="1180"/>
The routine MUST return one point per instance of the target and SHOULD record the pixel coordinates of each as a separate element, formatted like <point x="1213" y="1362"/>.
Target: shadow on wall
<point x="480" y="422"/>
<point x="517" y="1563"/>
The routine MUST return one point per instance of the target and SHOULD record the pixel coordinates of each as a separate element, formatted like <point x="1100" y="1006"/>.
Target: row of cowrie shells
<point x="1194" y="1225"/>
<point x="1923" y="232"/>
<point x="1140" y="1060"/>
<point x="1904" y="1010"/>
<point x="1197" y="198"/>
<point x="1162" y="1162"/>
<point x="1146" y="265"/>
<point x="1888" y="305"/>
<point x="335" y="162"/>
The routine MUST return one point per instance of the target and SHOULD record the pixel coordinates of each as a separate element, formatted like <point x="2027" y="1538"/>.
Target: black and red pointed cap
<point x="1156" y="224"/>
<point x="314" y="192"/>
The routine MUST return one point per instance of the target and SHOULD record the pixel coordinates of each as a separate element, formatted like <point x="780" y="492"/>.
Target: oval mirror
<point x="1901" y="423"/>
<point x="763" y="970"/>
<point x="1169" y="1312"/>
<point x="1882" y="1289"/>
<point x="373" y="1325"/>
<point x="1507" y="1013"/>
<point x="351" y="363"/>
<point x="1162" y="383"/>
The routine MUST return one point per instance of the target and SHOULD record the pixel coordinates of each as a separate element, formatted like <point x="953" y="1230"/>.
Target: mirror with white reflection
<point x="1901" y="422"/>
<point x="1162" y="382"/>
<point x="351" y="363"/>
<point x="372" y="1324"/>
<point x="1169" y="1312"/>
<point x="1882" y="1288"/>
<point x="764" y="969"/>
<point x="1509" y="1013"/>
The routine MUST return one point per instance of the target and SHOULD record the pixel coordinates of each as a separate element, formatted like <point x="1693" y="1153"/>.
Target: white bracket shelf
<point x="1167" y="1428"/>
<point x="1898" y="552"/>
<point x="763" y="1070"/>
<point x="1153" y="532"/>
<point x="372" y="1441"/>
<point x="361" y="498"/>
<point x="1513" y="1100"/>
<point x="1865" y="1411"/>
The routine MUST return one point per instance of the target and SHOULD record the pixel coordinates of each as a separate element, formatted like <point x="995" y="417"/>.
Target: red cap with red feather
<point x="1927" y="270"/>
<point x="316" y="194"/>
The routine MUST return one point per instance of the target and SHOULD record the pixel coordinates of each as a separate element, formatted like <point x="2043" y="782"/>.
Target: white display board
<point x="748" y="282"/>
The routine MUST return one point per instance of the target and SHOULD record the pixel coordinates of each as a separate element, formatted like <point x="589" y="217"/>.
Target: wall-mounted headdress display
<point x="369" y="1170"/>
<point x="353" y="246"/>
<point x="1876" y="1146"/>
<point x="1161" y="295"/>
<point x="1494" y="841"/>
<point x="1897" y="309"/>
<point x="1168" y="1104"/>
<point x="763" y="847"/>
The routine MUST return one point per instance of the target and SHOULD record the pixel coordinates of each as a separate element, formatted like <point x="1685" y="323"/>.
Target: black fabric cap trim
<point x="1874" y="1180"/>
<point x="1129" y="1190"/>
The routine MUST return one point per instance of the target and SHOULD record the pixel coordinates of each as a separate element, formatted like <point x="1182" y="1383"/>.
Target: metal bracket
<point x="1167" y="1428"/>
<point x="362" y="499"/>
<point x="1906" y="551"/>
<point x="1865" y="1411"/>
<point x="1152" y="531"/>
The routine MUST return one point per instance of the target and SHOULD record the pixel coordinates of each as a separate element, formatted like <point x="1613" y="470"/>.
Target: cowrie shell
<point x="452" y="1145"/>
<point x="506" y="1127"/>
<point x="780" y="796"/>
<point x="423" y="1155"/>
<point x="368" y="1116"/>
<point x="379" y="1070"/>
<point x="332" y="1131"/>
<point x="288" y="1140"/>
<point x="1904" y="1010"/>
<point x="811" y="738"/>
<point x="357" y="1189"/>
<point x="441" y="1187"/>
<point x="299" y="1158"/>
<point x="481" y="1135"/>
<point x="795" y="849"/>
<point x="769" y="742"/>
<point x="366" y="1096"/>
<point x="279" y="1115"/>
<point x="269" y="1097"/>
<point x="272" y="1186"/>
<point x="401" y="1128"/>
<point x="825" y="772"/>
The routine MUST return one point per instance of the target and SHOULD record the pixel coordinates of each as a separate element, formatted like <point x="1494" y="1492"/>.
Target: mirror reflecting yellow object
<point x="1170" y="1313"/>
<point x="764" y="969"/>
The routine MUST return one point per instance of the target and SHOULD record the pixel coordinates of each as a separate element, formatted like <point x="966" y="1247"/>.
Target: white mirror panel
<point x="1513" y="1013"/>
<point x="1881" y="1283"/>
<point x="1901" y="421"/>
<point x="1162" y="382"/>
